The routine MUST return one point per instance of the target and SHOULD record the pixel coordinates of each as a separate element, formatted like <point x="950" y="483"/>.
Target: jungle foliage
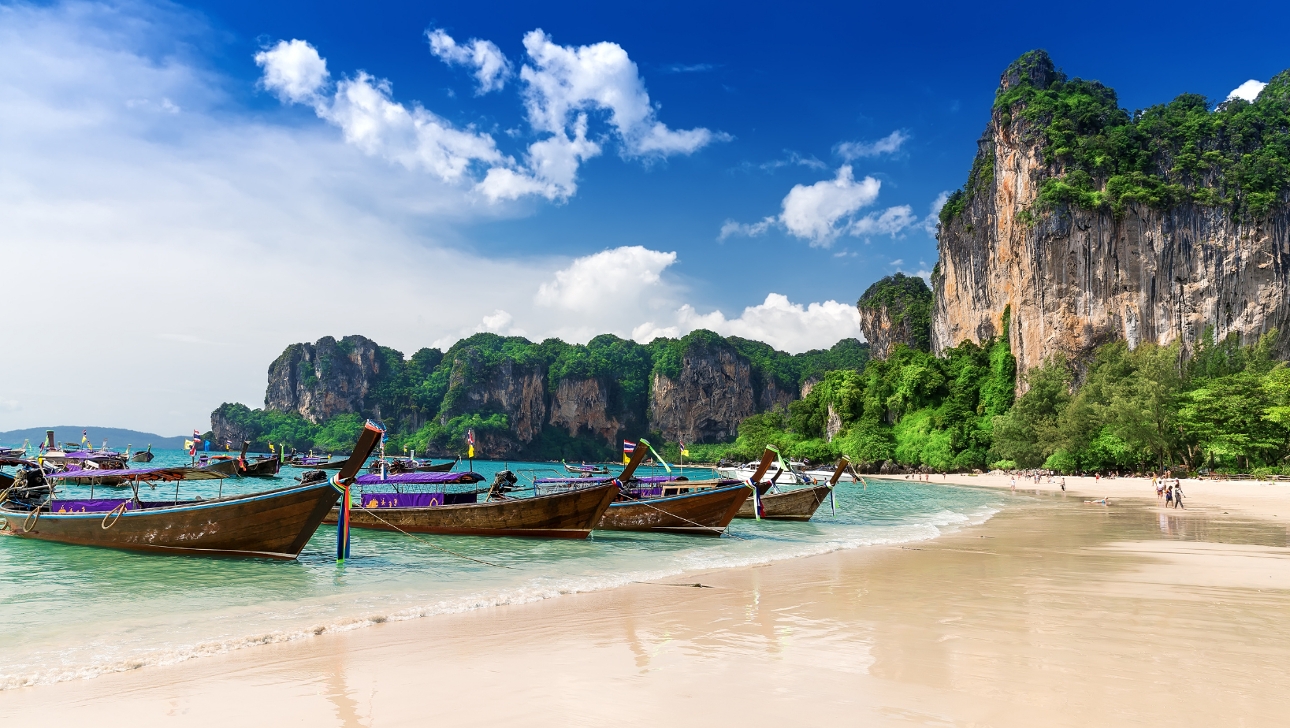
<point x="1235" y="154"/>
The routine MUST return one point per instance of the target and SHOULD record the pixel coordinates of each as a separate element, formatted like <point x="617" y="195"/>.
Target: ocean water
<point x="76" y="612"/>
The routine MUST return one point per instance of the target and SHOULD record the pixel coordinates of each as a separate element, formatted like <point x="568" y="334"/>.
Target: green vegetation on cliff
<point x="908" y="302"/>
<point x="431" y="399"/>
<point x="1236" y="155"/>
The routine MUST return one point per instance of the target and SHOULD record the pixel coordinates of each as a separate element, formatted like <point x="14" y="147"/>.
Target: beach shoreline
<point x="1053" y="611"/>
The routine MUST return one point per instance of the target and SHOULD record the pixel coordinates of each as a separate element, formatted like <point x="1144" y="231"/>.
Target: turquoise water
<point x="76" y="612"/>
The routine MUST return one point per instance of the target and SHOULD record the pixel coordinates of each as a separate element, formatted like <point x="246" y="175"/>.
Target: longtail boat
<point x="256" y="467"/>
<point x="143" y="456"/>
<point x="223" y="465"/>
<point x="796" y="504"/>
<point x="666" y="504"/>
<point x="411" y="465"/>
<point x="585" y="469"/>
<point x="272" y="524"/>
<point x="422" y="503"/>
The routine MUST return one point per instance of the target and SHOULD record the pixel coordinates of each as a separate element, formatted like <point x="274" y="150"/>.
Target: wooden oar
<point x="642" y="447"/>
<point x="367" y="441"/>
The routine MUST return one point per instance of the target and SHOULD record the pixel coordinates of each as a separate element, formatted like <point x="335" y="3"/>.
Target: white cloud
<point x="491" y="67"/>
<point x="751" y="230"/>
<point x="1249" y="90"/>
<point x="293" y="71"/>
<point x="563" y="80"/>
<point x="813" y="211"/>
<point x="550" y="168"/>
<point x="889" y="144"/>
<point x="616" y="275"/>
<point x="933" y="218"/>
<point x="370" y="120"/>
<point x="777" y="321"/>
<point x="889" y="222"/>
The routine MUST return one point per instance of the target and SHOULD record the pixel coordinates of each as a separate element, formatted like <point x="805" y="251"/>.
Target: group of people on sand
<point x="1037" y="476"/>
<point x="1170" y="493"/>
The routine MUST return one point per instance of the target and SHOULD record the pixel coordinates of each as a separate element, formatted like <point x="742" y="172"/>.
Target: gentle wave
<point x="922" y="528"/>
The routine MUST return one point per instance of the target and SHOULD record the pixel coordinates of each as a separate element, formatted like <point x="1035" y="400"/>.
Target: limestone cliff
<point x="1157" y="244"/>
<point x="584" y="407"/>
<point x="896" y="310"/>
<point x="706" y="398"/>
<point x="525" y="399"/>
<point x="321" y="380"/>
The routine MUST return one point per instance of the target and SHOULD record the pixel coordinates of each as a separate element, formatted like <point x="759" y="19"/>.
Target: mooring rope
<point x="643" y="502"/>
<point x="431" y="545"/>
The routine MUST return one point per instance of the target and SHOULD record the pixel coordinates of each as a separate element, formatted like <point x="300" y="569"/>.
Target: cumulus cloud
<point x="491" y="67"/>
<point x="777" y="321"/>
<point x="823" y="211"/>
<point x="889" y="144"/>
<point x="562" y="84"/>
<point x="293" y="71"/>
<point x="370" y="119"/>
<point x="561" y="80"/>
<point x="1249" y="91"/>
<point x="813" y="212"/>
<point x="550" y="168"/>
<point x="590" y="281"/>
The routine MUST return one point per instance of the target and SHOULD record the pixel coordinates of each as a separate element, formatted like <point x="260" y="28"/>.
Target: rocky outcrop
<point x="896" y="310"/>
<point x="1073" y="278"/>
<point x="707" y="399"/>
<point x="582" y="407"/>
<point x="321" y="380"/>
<point x="517" y="391"/>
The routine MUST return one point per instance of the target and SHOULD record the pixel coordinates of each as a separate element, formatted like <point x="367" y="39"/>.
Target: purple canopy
<point x="141" y="474"/>
<point x="88" y="455"/>
<point x="574" y="481"/>
<point x="419" y="478"/>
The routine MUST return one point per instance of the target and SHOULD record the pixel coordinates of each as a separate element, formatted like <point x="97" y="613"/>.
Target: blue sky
<point x="213" y="195"/>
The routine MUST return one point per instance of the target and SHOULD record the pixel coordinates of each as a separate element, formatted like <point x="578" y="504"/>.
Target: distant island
<point x="116" y="437"/>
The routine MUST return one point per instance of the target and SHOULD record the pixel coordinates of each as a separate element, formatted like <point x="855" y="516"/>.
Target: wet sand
<point x="1052" y="613"/>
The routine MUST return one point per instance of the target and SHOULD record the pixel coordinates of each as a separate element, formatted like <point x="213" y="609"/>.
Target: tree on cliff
<point x="896" y="310"/>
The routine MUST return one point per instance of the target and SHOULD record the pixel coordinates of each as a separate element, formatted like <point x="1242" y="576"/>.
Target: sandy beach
<point x="1054" y="612"/>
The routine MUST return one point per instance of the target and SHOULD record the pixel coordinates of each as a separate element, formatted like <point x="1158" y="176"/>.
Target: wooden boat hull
<point x="702" y="512"/>
<point x="275" y="524"/>
<point x="223" y="467"/>
<point x="266" y="468"/>
<point x="798" y="504"/>
<point x="141" y="457"/>
<point x="571" y="514"/>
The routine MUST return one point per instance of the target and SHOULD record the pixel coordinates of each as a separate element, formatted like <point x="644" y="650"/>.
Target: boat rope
<point x="28" y="528"/>
<point x="428" y="543"/>
<point x="645" y="503"/>
<point x="118" y="511"/>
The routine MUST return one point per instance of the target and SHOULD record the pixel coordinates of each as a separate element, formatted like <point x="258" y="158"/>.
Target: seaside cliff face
<point x="896" y="310"/>
<point x="707" y="398"/>
<point x="321" y="380"/>
<point x="525" y="399"/>
<point x="1077" y="266"/>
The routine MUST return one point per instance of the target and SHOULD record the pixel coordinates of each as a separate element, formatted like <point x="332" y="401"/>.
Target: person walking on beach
<point x="1178" y="497"/>
<point x="1014" y="484"/>
<point x="1063" y="483"/>
<point x="1169" y="496"/>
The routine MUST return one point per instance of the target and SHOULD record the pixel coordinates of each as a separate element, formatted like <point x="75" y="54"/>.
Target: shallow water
<point x="78" y="612"/>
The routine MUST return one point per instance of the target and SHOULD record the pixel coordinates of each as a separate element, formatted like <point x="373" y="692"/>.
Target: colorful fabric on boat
<point x="401" y="500"/>
<point x="419" y="478"/>
<point x="89" y="506"/>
